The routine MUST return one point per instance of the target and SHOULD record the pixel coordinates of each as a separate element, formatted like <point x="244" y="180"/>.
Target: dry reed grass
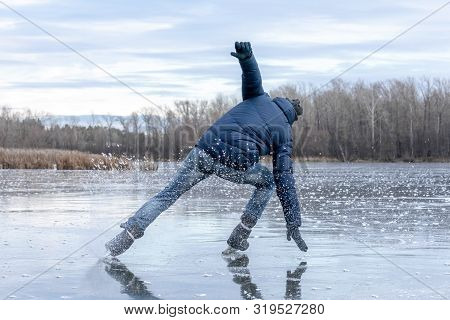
<point x="66" y="160"/>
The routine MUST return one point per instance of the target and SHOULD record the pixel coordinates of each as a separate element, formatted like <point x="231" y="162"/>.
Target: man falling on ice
<point x="231" y="149"/>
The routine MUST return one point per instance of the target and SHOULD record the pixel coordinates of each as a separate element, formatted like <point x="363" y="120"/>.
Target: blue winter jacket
<point x="256" y="127"/>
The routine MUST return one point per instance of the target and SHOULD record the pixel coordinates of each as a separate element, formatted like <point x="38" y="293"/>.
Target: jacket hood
<point x="287" y="108"/>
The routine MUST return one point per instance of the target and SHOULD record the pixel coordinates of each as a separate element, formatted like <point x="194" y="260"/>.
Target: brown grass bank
<point x="67" y="160"/>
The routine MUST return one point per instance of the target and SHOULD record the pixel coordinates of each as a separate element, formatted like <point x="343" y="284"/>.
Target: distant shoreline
<point x="55" y="159"/>
<point x="417" y="160"/>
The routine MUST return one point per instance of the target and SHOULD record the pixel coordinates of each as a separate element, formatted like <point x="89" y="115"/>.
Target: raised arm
<point x="285" y="186"/>
<point x="251" y="77"/>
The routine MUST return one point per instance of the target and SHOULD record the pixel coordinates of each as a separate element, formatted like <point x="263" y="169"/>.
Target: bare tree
<point x="109" y="121"/>
<point x="136" y="125"/>
<point x="125" y="123"/>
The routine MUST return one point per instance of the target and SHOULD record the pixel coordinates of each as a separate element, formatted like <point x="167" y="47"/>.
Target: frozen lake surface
<point x="374" y="231"/>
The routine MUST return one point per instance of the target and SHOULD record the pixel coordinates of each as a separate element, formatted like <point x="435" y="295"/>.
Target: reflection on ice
<point x="237" y="264"/>
<point x="131" y="285"/>
<point x="400" y="210"/>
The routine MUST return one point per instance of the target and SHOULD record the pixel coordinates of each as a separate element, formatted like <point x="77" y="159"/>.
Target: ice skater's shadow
<point x="134" y="287"/>
<point x="238" y="266"/>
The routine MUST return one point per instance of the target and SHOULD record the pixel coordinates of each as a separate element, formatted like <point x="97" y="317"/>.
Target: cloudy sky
<point x="171" y="50"/>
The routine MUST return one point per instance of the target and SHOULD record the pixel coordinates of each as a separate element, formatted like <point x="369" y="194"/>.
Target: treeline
<point x="382" y="121"/>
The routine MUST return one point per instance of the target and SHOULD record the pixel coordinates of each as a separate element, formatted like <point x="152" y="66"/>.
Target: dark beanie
<point x="297" y="106"/>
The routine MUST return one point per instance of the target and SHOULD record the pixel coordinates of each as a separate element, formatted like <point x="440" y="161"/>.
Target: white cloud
<point x="115" y="100"/>
<point x="75" y="101"/>
<point x="16" y="3"/>
<point x="317" y="65"/>
<point x="8" y="24"/>
<point x="116" y="26"/>
<point x="328" y="31"/>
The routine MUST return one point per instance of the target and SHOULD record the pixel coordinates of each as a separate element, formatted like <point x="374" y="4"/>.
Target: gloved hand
<point x="294" y="233"/>
<point x="243" y="50"/>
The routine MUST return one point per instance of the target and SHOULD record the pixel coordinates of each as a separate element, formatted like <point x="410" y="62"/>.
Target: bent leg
<point x="260" y="177"/>
<point x="186" y="177"/>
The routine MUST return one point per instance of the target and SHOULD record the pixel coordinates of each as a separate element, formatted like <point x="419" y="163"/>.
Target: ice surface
<point x="354" y="215"/>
